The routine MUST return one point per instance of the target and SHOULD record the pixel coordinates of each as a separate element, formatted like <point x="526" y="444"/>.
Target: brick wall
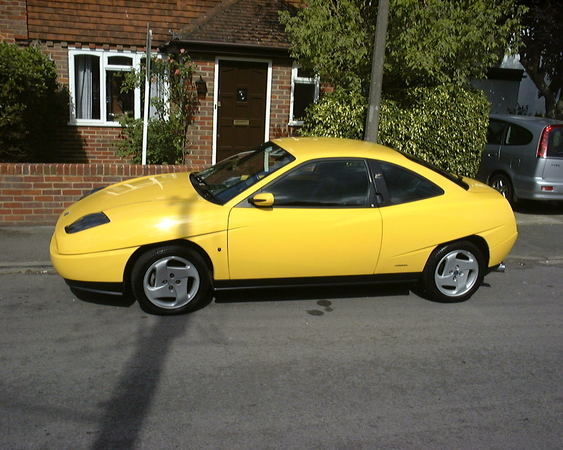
<point x="280" y="100"/>
<point x="200" y="133"/>
<point x="13" y="20"/>
<point x="35" y="194"/>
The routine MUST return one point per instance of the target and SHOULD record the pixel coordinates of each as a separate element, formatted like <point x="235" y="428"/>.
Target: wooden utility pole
<point x="372" y="120"/>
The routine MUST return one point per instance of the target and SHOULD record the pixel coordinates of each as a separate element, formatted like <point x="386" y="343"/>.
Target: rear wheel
<point x="171" y="280"/>
<point x="503" y="184"/>
<point x="454" y="272"/>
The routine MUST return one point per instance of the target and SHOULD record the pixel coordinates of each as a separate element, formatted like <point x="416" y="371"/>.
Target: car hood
<point x="141" y="211"/>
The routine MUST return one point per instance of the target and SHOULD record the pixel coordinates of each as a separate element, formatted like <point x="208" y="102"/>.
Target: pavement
<point x="26" y="249"/>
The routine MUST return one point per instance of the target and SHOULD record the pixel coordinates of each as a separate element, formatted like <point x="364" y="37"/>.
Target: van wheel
<point x="171" y="280"/>
<point x="502" y="184"/>
<point x="454" y="272"/>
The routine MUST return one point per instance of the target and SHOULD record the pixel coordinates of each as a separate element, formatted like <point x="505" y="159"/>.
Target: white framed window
<point x="95" y="80"/>
<point x="304" y="91"/>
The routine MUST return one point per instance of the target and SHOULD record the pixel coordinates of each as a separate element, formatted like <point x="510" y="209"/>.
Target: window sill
<point x="93" y="123"/>
<point x="295" y="123"/>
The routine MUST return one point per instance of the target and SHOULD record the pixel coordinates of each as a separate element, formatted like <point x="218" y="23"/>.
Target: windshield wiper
<point x="202" y="188"/>
<point x="198" y="179"/>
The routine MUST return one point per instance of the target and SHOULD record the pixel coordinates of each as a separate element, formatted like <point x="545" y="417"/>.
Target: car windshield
<point x="228" y="178"/>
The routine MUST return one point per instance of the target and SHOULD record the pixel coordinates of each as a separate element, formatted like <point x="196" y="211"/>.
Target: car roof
<point x="305" y="148"/>
<point x="529" y="121"/>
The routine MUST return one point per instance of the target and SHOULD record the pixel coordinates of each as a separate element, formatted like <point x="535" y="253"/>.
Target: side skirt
<point x="355" y="280"/>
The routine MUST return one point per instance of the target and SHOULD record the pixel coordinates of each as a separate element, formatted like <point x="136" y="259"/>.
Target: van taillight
<point x="544" y="142"/>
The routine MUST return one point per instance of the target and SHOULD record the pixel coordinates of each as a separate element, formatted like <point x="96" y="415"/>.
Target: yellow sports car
<point x="292" y="212"/>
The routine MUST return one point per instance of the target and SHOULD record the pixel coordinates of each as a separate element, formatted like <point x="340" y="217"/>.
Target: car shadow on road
<point x="266" y="294"/>
<point x="537" y="207"/>
<point x="309" y="293"/>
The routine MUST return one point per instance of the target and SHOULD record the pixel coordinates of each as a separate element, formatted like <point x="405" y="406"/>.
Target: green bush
<point x="32" y="105"/>
<point x="173" y="110"/>
<point x="165" y="141"/>
<point x="444" y="125"/>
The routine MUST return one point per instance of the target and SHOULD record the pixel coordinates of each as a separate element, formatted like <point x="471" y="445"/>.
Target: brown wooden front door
<point x="241" y="107"/>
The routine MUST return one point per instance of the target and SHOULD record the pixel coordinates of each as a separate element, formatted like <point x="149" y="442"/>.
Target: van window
<point x="555" y="144"/>
<point x="517" y="135"/>
<point x="495" y="131"/>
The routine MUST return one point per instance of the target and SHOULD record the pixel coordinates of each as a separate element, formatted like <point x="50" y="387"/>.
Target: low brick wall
<point x="35" y="194"/>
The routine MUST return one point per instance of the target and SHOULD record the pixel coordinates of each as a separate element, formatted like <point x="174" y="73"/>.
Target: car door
<point x="416" y="216"/>
<point x="520" y="157"/>
<point x="323" y="222"/>
<point x="490" y="158"/>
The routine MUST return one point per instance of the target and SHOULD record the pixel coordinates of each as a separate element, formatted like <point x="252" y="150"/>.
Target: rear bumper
<point x="540" y="189"/>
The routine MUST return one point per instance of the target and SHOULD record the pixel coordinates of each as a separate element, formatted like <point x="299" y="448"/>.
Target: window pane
<point x="87" y="86"/>
<point x="494" y="132"/>
<point x="120" y="61"/>
<point x="324" y="183"/>
<point x="518" y="136"/>
<point x="555" y="144"/>
<point x="405" y="186"/>
<point x="117" y="102"/>
<point x="303" y="96"/>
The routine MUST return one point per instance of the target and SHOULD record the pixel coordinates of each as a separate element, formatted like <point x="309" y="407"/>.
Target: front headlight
<point x="88" y="221"/>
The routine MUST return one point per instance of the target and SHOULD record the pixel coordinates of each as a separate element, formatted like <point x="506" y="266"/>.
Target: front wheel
<point x="454" y="272"/>
<point x="171" y="280"/>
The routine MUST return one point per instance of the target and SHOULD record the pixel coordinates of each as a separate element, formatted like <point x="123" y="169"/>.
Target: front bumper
<point x="96" y="288"/>
<point x="97" y="267"/>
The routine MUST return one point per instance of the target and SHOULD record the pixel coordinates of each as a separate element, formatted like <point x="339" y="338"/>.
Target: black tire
<point x="171" y="280"/>
<point x="502" y="183"/>
<point x="453" y="272"/>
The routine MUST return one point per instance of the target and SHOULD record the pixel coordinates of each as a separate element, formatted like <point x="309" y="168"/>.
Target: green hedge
<point x="32" y="105"/>
<point x="443" y="125"/>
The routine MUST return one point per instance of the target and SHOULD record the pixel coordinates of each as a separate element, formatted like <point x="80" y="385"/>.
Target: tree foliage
<point x="429" y="42"/>
<point x="173" y="105"/>
<point x="433" y="49"/>
<point x="32" y="105"/>
<point x="444" y="125"/>
<point x="542" y="51"/>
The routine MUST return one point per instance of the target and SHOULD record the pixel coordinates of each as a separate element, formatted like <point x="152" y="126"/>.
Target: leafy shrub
<point x="444" y="125"/>
<point x="337" y="114"/>
<point x="173" y="111"/>
<point x="32" y="105"/>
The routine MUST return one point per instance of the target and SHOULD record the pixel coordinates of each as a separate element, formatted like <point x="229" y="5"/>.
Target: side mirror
<point x="262" y="200"/>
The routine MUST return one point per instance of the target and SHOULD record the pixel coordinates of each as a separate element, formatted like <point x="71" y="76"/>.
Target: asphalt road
<point x="336" y="369"/>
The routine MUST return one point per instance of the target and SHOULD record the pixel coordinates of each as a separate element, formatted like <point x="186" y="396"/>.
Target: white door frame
<point x="216" y="97"/>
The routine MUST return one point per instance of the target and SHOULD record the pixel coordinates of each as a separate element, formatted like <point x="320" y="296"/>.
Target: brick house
<point x="253" y="90"/>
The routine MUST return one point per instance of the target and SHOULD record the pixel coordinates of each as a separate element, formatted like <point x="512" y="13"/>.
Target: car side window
<point x="404" y="186"/>
<point x="328" y="183"/>
<point x="517" y="135"/>
<point x="495" y="131"/>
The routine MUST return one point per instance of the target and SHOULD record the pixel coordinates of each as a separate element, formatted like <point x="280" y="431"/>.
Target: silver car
<point x="523" y="158"/>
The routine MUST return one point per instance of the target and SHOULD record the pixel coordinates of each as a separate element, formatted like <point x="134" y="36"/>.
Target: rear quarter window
<point x="555" y="143"/>
<point x="404" y="186"/>
<point x="517" y="135"/>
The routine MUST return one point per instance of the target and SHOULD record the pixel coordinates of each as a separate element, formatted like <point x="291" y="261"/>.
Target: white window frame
<point x="104" y="56"/>
<point x="296" y="79"/>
